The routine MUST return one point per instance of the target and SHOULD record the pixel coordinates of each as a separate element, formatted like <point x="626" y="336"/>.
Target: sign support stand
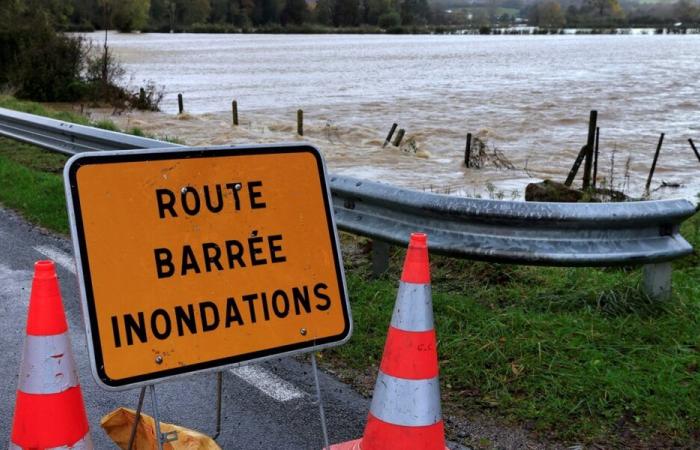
<point x="219" y="389"/>
<point x="138" y="418"/>
<point x="320" y="402"/>
<point x="167" y="437"/>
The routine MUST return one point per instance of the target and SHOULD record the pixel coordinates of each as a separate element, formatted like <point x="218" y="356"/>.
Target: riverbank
<point x="645" y="29"/>
<point x="530" y="357"/>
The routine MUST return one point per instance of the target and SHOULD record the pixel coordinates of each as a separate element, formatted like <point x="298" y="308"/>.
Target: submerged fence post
<point x="468" y="150"/>
<point x="380" y="257"/>
<point x="399" y="137"/>
<point x="595" y="157"/>
<point x="592" y="122"/>
<point x="388" y="136"/>
<point x="234" y="112"/>
<point x="653" y="164"/>
<point x="300" y="122"/>
<point x="692" y="145"/>
<point x="180" y="104"/>
<point x="656" y="280"/>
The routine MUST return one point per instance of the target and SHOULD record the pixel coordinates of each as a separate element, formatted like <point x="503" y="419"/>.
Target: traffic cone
<point x="49" y="410"/>
<point x="405" y="411"/>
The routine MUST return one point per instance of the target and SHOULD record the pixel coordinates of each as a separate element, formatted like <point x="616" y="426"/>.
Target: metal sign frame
<point x="85" y="278"/>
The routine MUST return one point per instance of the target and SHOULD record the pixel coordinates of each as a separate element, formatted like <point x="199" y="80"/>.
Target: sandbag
<point x="118" y="423"/>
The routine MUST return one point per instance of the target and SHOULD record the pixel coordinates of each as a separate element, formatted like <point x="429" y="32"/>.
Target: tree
<point x="415" y="12"/>
<point x="129" y="15"/>
<point x="188" y="12"/>
<point x="324" y="12"/>
<point x="547" y="14"/>
<point x="687" y="12"/>
<point x="605" y="8"/>
<point x="375" y="9"/>
<point x="294" y="12"/>
<point x="346" y="13"/>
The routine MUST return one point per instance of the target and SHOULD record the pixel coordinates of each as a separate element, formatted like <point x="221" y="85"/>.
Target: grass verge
<point x="576" y="355"/>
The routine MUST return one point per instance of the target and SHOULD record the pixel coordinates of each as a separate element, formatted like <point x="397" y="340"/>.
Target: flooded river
<point x="528" y="96"/>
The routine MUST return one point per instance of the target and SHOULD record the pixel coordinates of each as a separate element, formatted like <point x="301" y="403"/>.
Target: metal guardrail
<point x="552" y="234"/>
<point x="555" y="234"/>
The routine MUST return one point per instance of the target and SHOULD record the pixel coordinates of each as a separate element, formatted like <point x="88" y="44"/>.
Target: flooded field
<point x="529" y="96"/>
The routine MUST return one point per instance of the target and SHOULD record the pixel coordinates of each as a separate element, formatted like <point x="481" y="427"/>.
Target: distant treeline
<point x="361" y="15"/>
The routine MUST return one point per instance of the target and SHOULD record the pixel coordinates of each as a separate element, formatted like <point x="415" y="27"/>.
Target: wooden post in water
<point x="300" y="122"/>
<point x="692" y="145"/>
<point x="234" y="112"/>
<point x="653" y="164"/>
<point x="595" y="156"/>
<point x="399" y="137"/>
<point x="142" y="97"/>
<point x="468" y="150"/>
<point x="575" y="167"/>
<point x="589" y="149"/>
<point x="388" y="136"/>
<point x="180" y="104"/>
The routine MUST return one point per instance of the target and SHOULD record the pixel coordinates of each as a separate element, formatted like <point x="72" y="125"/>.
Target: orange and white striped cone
<point x="49" y="410"/>
<point x="405" y="411"/>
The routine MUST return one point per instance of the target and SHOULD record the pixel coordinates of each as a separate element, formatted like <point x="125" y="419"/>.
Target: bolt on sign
<point x="196" y="258"/>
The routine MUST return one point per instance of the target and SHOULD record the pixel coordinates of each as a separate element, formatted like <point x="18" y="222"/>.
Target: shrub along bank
<point x="571" y="354"/>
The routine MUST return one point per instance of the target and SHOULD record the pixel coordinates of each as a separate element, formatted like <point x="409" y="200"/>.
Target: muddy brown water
<point x="529" y="96"/>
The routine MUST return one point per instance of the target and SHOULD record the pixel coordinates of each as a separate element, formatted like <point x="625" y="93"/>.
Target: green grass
<point x="33" y="186"/>
<point x="578" y="355"/>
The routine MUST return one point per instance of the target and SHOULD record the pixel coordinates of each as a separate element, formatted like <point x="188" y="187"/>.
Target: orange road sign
<point x="197" y="258"/>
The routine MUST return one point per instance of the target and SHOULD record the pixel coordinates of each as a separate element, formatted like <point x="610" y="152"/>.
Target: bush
<point x="389" y="20"/>
<point x="47" y="66"/>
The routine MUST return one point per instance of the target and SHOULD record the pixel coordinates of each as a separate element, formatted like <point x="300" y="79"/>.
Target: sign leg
<point x="156" y="417"/>
<point x="219" y="389"/>
<point x="320" y="402"/>
<point x="137" y="419"/>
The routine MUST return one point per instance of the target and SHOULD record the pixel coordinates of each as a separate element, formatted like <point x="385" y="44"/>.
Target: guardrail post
<point x="380" y="257"/>
<point x="656" y="280"/>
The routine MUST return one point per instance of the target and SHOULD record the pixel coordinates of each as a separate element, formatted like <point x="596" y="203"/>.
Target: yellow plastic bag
<point x="119" y="422"/>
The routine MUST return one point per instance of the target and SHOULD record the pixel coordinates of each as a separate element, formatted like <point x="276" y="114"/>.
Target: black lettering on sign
<point x="236" y="200"/>
<point x="255" y="194"/>
<point x="131" y="326"/>
<point x="318" y="288"/>
<point x="164" y="264"/>
<point x="115" y="332"/>
<point x="212" y="254"/>
<point x="274" y="257"/>
<point x="266" y="307"/>
<point x="157" y="333"/>
<point x="234" y="254"/>
<point x="283" y="310"/>
<point x="185" y="318"/>
<point x="219" y="199"/>
<point x="301" y="299"/>
<point x="191" y="207"/>
<point x="232" y="312"/>
<point x="166" y="202"/>
<point x="189" y="262"/>
<point x="255" y="250"/>
<point x="250" y="298"/>
<point x="206" y="315"/>
<point x="206" y="324"/>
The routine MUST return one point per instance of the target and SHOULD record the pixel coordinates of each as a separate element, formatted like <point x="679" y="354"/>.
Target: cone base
<point x="380" y="435"/>
<point x="349" y="445"/>
<point x="49" y="420"/>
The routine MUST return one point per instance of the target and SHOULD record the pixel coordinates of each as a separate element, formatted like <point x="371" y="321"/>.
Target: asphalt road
<point x="265" y="406"/>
